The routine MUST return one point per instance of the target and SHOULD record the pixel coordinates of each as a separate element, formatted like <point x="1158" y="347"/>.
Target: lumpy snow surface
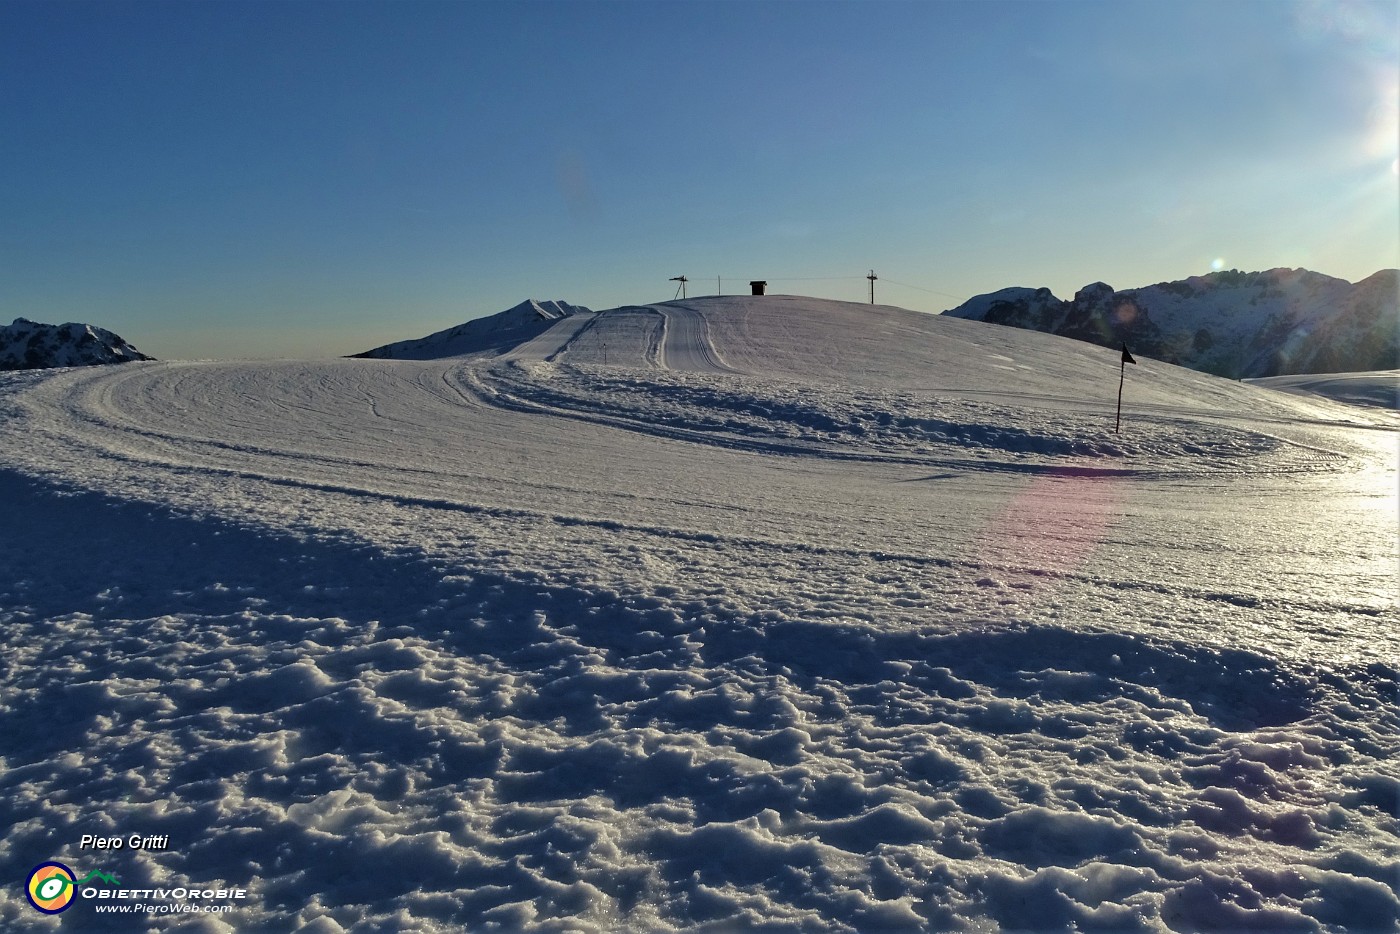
<point x="714" y="614"/>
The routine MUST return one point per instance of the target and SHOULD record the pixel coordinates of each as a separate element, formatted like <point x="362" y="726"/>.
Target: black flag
<point x="1126" y="358"/>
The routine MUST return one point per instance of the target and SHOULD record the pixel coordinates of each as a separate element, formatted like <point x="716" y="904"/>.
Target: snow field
<point x="575" y="645"/>
<point x="1378" y="390"/>
<point x="789" y="416"/>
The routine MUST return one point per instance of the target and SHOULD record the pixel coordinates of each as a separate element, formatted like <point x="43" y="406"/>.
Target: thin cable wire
<point x="917" y="287"/>
<point x="794" y="278"/>
<point x="906" y="285"/>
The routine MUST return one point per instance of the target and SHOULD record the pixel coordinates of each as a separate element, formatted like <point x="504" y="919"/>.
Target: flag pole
<point x="1123" y="362"/>
<point x="1122" y="368"/>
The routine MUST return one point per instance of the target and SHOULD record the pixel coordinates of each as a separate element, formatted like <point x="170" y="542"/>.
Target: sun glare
<point x="1385" y="121"/>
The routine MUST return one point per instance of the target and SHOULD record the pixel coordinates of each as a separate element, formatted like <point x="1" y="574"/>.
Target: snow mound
<point x="829" y="379"/>
<point x="492" y="334"/>
<point x="29" y="345"/>
<point x="786" y="416"/>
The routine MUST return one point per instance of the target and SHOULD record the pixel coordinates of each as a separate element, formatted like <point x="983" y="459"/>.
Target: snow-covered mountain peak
<point x="532" y="310"/>
<point x="492" y="334"/>
<point x="1231" y="323"/>
<point x="30" y="345"/>
<point x="552" y="310"/>
<point x="1094" y="291"/>
<point x="984" y="307"/>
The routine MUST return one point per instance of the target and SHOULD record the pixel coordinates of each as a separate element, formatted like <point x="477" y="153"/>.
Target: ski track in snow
<point x="705" y="615"/>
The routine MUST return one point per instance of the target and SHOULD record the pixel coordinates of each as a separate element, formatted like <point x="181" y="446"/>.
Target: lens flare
<point x="1059" y="520"/>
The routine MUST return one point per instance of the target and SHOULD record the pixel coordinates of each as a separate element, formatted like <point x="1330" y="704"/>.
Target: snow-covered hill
<point x="28" y="345"/>
<point x="1234" y="324"/>
<point x="1377" y="388"/>
<point x="493" y="333"/>
<point x="718" y="614"/>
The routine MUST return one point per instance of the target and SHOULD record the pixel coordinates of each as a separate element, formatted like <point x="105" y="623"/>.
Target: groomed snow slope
<point x="1379" y="388"/>
<point x="705" y="615"/>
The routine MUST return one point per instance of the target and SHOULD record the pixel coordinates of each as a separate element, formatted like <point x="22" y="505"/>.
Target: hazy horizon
<point x="241" y="180"/>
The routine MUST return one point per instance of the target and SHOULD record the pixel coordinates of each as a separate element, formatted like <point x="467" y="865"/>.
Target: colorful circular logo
<point x="51" y="887"/>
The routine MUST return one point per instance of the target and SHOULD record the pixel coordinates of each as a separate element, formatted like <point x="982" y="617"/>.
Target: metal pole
<point x="1122" y="367"/>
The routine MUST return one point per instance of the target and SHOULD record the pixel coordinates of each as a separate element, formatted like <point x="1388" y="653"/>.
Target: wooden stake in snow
<point x="1122" y="368"/>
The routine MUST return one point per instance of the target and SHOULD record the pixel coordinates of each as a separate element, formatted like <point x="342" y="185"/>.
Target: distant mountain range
<point x="29" y="345"/>
<point x="497" y="332"/>
<point x="1234" y="324"/>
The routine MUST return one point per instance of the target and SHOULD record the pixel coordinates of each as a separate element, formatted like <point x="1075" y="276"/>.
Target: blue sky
<point x="310" y="179"/>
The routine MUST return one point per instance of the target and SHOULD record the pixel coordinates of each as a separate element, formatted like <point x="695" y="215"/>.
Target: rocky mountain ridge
<point x="1234" y="324"/>
<point x="29" y="345"/>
